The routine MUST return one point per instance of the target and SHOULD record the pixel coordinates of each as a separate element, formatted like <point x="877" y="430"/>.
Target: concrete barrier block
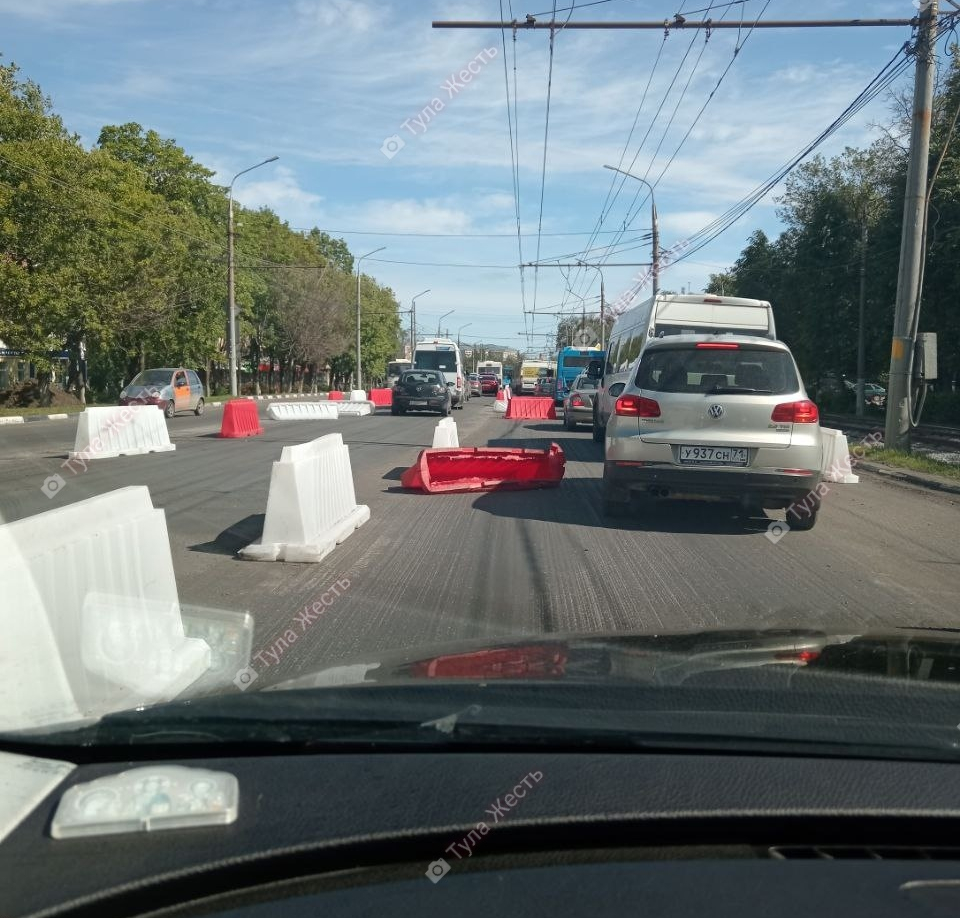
<point x="837" y="468"/>
<point x="445" y="434"/>
<point x="357" y="408"/>
<point x="303" y="411"/>
<point x="311" y="505"/>
<point x="87" y="575"/>
<point x="122" y="430"/>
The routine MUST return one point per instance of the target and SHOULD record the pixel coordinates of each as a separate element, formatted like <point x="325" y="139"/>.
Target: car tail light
<point x="576" y="402"/>
<point x="801" y="412"/>
<point x="636" y="406"/>
<point x="718" y="346"/>
<point x="712" y="299"/>
<point x="459" y="382"/>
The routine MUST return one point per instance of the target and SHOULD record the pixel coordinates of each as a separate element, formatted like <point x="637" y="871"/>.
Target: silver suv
<point x="715" y="416"/>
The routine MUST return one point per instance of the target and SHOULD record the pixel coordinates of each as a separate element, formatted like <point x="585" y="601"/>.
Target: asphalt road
<point x="430" y="570"/>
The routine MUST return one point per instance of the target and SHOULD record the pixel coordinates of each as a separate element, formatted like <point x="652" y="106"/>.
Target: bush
<point x="941" y="408"/>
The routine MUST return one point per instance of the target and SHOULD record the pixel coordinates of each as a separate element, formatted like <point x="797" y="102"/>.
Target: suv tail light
<point x="459" y="382"/>
<point x="802" y="412"/>
<point x="718" y="346"/>
<point x="636" y="406"/>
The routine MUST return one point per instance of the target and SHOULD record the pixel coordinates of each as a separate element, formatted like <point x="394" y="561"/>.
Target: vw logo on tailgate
<point x="715" y="411"/>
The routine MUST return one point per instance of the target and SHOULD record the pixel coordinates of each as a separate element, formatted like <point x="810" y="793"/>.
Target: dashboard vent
<point x="861" y="853"/>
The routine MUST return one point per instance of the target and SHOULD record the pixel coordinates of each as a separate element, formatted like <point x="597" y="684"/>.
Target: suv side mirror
<point x="595" y="369"/>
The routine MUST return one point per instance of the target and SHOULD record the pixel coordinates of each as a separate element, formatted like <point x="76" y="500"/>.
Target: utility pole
<point x="898" y="423"/>
<point x="861" y="326"/>
<point x="655" y="278"/>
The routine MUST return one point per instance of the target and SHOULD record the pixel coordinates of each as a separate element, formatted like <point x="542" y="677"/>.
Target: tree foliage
<point x="811" y="272"/>
<point x="123" y="246"/>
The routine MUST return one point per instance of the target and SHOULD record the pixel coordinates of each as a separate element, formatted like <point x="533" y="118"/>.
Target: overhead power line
<point x="677" y="24"/>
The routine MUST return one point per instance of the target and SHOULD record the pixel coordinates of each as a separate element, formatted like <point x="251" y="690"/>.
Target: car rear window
<point x="705" y="370"/>
<point x="420" y="378"/>
<point x="586" y="382"/>
<point x="437" y="360"/>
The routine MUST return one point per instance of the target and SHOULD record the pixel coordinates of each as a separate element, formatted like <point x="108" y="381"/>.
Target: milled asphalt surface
<point x="432" y="570"/>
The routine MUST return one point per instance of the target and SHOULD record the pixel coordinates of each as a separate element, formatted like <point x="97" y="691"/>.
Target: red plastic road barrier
<point x="485" y="469"/>
<point x="531" y="408"/>
<point x="240" y="419"/>
<point x="335" y="396"/>
<point x="381" y="396"/>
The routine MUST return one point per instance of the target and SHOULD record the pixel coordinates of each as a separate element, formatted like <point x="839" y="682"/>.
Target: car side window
<point x="616" y="389"/>
<point x="180" y="379"/>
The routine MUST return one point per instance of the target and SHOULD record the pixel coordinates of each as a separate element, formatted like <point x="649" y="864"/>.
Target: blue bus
<point x="571" y="362"/>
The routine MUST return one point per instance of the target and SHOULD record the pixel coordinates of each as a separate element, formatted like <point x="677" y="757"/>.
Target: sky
<point x="381" y="142"/>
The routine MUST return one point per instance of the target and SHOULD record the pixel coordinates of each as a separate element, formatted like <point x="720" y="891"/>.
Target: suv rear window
<point x="704" y="370"/>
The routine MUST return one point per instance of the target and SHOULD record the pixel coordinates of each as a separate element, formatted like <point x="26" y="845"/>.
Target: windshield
<point x="691" y="369"/>
<point x="153" y="378"/>
<point x="301" y="202"/>
<point x="437" y="360"/>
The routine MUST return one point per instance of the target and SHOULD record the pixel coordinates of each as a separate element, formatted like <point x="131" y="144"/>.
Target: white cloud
<point x="283" y="195"/>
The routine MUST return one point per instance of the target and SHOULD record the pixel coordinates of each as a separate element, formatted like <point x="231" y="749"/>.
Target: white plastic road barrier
<point x="300" y="411"/>
<point x="445" y="434"/>
<point x="122" y="430"/>
<point x="836" y="458"/>
<point x="357" y="408"/>
<point x="90" y="619"/>
<point x="358" y="395"/>
<point x="311" y="506"/>
<point x="501" y="406"/>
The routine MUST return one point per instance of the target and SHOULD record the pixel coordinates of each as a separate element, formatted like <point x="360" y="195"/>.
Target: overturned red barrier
<point x="240" y="419"/>
<point x="381" y="397"/>
<point x="485" y="469"/>
<point x="335" y="396"/>
<point x="531" y="408"/>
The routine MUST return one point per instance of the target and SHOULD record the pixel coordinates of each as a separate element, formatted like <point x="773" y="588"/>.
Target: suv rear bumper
<point x="735" y="484"/>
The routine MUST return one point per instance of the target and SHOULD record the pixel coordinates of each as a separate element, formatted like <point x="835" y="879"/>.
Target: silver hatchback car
<point x="718" y="417"/>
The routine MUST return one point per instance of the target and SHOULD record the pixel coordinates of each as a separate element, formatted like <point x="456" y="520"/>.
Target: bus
<point x="571" y="362"/>
<point x="530" y="370"/>
<point x="491" y="368"/>
<point x="395" y="368"/>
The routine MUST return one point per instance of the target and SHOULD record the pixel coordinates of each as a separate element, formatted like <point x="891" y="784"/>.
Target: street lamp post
<point x="460" y="329"/>
<point x="359" y="383"/>
<point x="452" y="311"/>
<point x="231" y="302"/>
<point x="413" y="321"/>
<point x="656" y="232"/>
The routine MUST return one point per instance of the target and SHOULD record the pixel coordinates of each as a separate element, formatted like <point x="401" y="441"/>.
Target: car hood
<point x="659" y="658"/>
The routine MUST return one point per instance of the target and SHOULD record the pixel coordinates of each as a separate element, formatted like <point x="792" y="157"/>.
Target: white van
<point x="444" y="355"/>
<point x="671" y="314"/>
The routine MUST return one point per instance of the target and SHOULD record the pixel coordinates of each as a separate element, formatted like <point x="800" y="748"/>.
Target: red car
<point x="489" y="385"/>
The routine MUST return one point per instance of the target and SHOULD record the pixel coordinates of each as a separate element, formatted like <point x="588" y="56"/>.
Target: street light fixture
<point x="460" y="329"/>
<point x="452" y="311"/>
<point x="413" y="321"/>
<point x="231" y="302"/>
<point x="656" y="231"/>
<point x="359" y="383"/>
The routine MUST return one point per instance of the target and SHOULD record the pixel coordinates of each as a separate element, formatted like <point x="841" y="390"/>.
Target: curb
<point x="33" y="418"/>
<point x="914" y="478"/>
